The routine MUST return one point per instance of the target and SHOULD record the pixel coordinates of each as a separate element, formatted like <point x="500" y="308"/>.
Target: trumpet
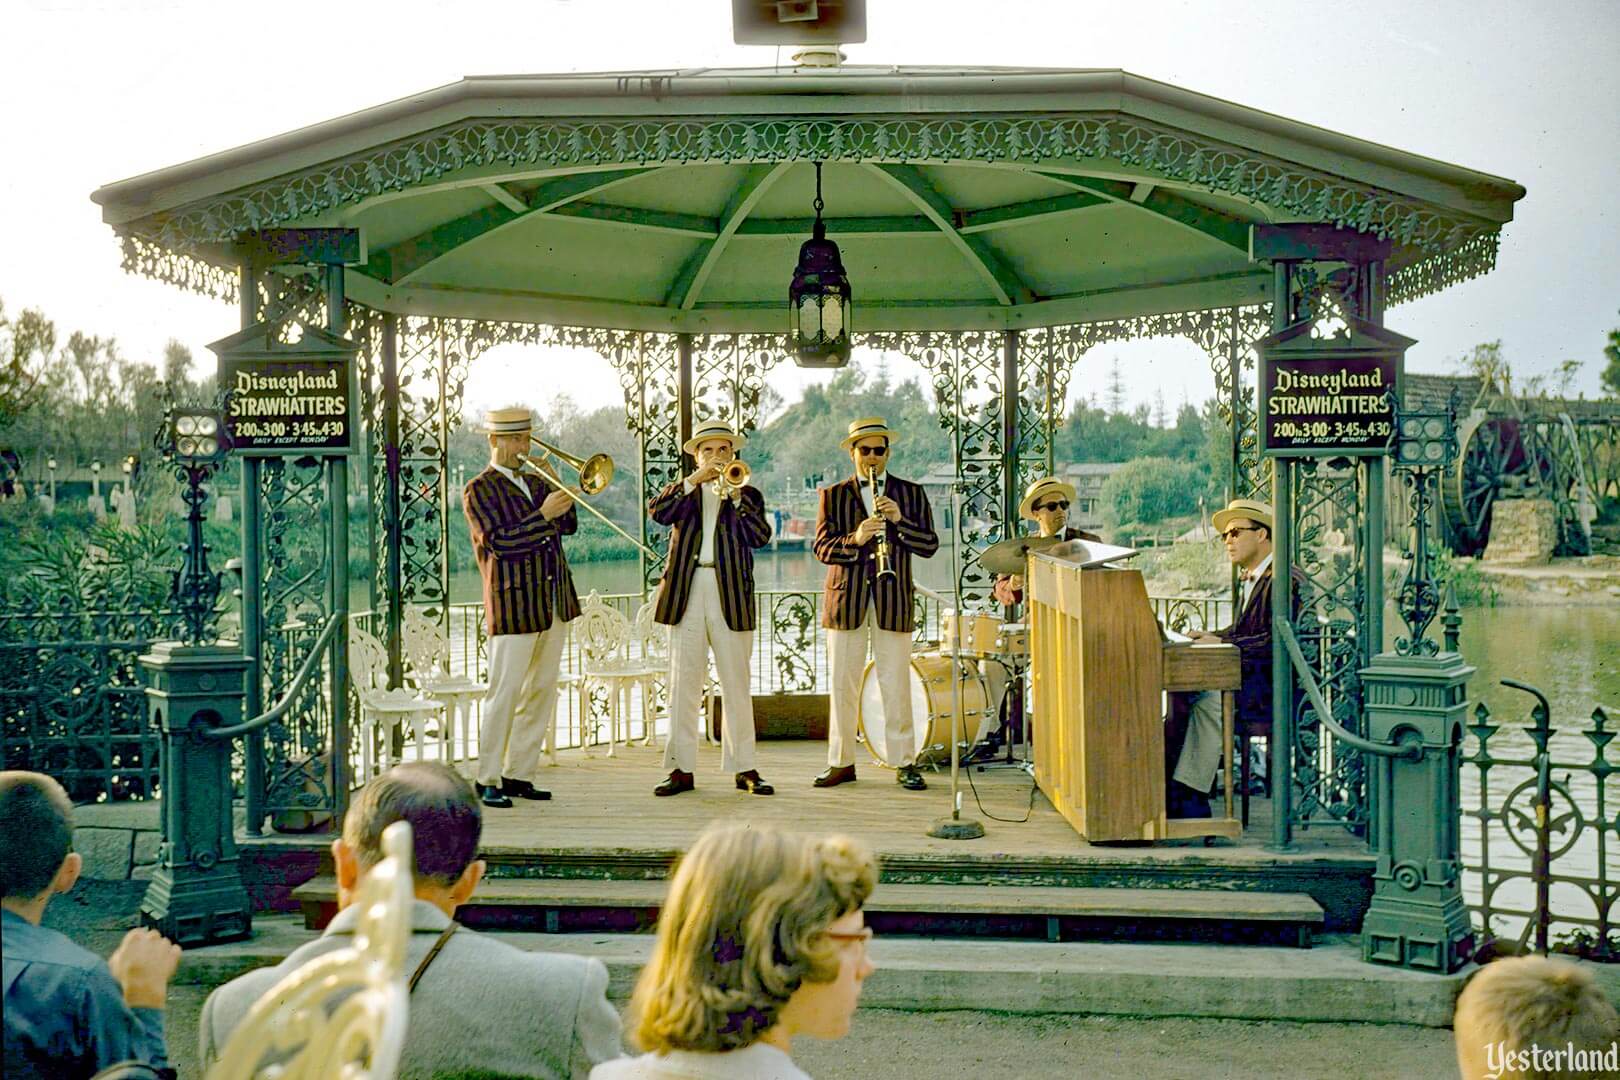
<point x="595" y="472"/>
<point x="732" y="479"/>
<point x="884" y="556"/>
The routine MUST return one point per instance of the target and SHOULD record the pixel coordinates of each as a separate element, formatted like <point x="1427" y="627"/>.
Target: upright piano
<point x="1099" y="666"/>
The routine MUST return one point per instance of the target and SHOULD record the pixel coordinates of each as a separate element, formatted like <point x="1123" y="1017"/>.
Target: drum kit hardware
<point x="1008" y="556"/>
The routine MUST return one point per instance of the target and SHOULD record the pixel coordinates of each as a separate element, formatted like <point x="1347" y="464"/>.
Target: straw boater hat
<point x="507" y="421"/>
<point x="1039" y="490"/>
<point x="1253" y="509"/>
<point x="713" y="429"/>
<point x="868" y="427"/>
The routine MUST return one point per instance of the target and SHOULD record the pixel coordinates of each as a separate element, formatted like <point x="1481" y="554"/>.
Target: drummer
<point x="1046" y="502"/>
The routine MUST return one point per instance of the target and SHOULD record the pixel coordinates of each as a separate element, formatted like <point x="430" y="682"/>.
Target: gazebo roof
<point x="963" y="198"/>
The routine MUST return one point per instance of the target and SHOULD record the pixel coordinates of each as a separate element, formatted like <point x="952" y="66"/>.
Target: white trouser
<point x="701" y="629"/>
<point x="1201" y="750"/>
<point x="846" y="663"/>
<point x="995" y="685"/>
<point x="520" y="710"/>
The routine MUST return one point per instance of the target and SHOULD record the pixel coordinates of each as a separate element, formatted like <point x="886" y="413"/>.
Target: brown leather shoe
<point x="675" y="783"/>
<point x="750" y="782"/>
<point x="835" y="775"/>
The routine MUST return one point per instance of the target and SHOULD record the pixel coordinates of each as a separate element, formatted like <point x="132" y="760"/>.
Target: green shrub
<point x="1146" y="491"/>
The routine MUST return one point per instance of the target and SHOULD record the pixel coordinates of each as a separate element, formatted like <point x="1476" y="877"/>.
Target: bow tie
<point x="1246" y="575"/>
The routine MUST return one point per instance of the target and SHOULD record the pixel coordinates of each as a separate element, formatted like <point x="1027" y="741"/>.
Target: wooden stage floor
<point x="605" y="805"/>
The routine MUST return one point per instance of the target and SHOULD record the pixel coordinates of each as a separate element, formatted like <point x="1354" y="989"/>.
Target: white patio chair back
<point x="602" y="631"/>
<point x="368" y="661"/>
<point x="426" y="646"/>
<point x="344" y="1013"/>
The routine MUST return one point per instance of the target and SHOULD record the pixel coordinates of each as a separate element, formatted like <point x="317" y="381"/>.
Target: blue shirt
<point x="64" y="1012"/>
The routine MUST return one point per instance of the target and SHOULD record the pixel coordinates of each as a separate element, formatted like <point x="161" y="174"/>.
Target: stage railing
<point x="789" y="655"/>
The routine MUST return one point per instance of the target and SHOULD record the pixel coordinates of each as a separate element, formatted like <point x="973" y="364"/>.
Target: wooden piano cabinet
<point x="1099" y="666"/>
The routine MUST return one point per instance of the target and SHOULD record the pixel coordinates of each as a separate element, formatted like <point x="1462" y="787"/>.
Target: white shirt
<point x="1254" y="576"/>
<point x="866" y="491"/>
<point x="514" y="477"/>
<point x="711" y="517"/>
<point x="760" y="1061"/>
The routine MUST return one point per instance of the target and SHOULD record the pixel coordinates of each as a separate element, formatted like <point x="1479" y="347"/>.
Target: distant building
<point x="1088" y="478"/>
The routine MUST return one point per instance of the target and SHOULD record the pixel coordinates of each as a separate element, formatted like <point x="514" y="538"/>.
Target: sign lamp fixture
<point x="819" y="299"/>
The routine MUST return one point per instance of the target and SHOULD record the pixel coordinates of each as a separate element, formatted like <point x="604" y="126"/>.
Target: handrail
<point x="280" y="708"/>
<point x="1410" y="751"/>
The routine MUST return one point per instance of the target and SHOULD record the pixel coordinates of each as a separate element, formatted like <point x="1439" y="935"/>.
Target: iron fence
<point x="72" y="702"/>
<point x="1539" y="834"/>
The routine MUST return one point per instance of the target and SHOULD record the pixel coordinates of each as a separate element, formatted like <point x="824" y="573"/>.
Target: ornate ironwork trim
<point x="1454" y="246"/>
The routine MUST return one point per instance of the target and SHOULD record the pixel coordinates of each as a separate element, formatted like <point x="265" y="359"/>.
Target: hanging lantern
<point x="819" y="299"/>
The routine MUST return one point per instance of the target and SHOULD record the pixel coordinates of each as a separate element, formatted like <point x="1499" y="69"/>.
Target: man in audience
<point x="477" y="1004"/>
<point x="1531" y="1016"/>
<point x="68" y="1013"/>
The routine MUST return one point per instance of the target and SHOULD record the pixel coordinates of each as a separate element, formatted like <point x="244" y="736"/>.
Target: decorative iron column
<point x="1282" y="599"/>
<point x="683" y="395"/>
<point x="252" y="579"/>
<point x="337" y="479"/>
<point x="391" y="608"/>
<point x="1009" y="431"/>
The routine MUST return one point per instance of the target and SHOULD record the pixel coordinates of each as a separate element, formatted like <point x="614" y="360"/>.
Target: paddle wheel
<point x="1515" y="456"/>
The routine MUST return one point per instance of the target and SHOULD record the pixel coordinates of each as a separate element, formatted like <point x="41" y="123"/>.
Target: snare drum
<point x="931" y="701"/>
<point x="1013" y="639"/>
<point x="978" y="632"/>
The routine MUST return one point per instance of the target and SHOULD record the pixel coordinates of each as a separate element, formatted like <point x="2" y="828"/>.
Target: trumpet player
<point x="707" y="596"/>
<point x="517" y="521"/>
<point x="869" y="528"/>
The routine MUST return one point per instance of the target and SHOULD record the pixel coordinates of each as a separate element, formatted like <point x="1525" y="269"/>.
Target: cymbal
<point x="1007" y="556"/>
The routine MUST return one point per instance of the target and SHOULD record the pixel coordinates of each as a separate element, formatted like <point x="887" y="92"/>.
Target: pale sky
<point x="93" y="91"/>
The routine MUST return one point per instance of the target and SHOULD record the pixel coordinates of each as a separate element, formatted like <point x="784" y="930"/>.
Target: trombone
<point x="595" y="473"/>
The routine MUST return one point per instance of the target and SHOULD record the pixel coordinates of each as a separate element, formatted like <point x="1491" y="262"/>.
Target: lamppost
<point x="50" y="463"/>
<point x="126" y="504"/>
<point x="95" y="479"/>
<point x="194" y="687"/>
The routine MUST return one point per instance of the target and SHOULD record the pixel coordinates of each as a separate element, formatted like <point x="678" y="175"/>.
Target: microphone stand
<point x="954" y="827"/>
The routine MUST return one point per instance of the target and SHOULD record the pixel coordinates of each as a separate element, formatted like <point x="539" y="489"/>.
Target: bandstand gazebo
<point x="996" y="223"/>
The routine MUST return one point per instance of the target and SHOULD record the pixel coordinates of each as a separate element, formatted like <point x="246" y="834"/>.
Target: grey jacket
<point x="482" y="1006"/>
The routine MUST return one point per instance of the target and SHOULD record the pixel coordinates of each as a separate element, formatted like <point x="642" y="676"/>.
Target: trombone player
<point x="868" y="530"/>
<point x="707" y="595"/>
<point x="517" y="522"/>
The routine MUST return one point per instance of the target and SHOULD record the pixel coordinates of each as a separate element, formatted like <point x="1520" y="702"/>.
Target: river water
<point x="1571" y="654"/>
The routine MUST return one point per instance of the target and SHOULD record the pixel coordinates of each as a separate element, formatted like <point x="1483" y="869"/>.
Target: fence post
<point x="196" y="895"/>
<point x="1418" y="918"/>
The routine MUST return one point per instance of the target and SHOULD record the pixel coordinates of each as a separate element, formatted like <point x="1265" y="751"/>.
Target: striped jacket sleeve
<point x="833" y="546"/>
<point x="915" y="529"/>
<point x="507" y="539"/>
<point x="751" y="524"/>
<point x="666" y="507"/>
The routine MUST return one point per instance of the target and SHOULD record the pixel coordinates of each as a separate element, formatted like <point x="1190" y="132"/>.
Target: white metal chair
<point x="427" y="649"/>
<point x="603" y="635"/>
<point x="382" y="707"/>
<point x="345" y="1013"/>
<point x="647" y="662"/>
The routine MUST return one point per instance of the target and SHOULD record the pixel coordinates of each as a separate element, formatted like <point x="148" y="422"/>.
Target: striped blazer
<point x="740" y="528"/>
<point x="520" y="555"/>
<point x="852" y="581"/>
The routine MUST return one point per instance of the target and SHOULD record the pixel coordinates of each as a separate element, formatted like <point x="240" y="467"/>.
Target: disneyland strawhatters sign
<point x="288" y="406"/>
<point x="1328" y="406"/>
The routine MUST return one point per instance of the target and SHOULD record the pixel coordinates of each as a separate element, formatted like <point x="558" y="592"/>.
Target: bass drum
<point x="930" y="690"/>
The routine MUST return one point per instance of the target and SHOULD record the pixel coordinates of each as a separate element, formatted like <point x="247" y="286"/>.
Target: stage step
<point x="1057" y="913"/>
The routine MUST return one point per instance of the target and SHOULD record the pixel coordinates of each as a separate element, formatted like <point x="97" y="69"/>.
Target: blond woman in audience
<point x="1531" y="1016"/>
<point x="761" y="940"/>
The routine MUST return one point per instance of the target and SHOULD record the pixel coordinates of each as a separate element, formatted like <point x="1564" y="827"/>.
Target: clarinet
<point x="883" y="557"/>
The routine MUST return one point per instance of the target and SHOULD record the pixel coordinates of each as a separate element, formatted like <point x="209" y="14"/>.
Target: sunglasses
<point x="1054" y="506"/>
<point x="872" y="451"/>
<point x="1231" y="534"/>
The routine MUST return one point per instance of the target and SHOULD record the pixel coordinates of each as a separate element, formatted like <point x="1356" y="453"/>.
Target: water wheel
<point x="1493" y="458"/>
